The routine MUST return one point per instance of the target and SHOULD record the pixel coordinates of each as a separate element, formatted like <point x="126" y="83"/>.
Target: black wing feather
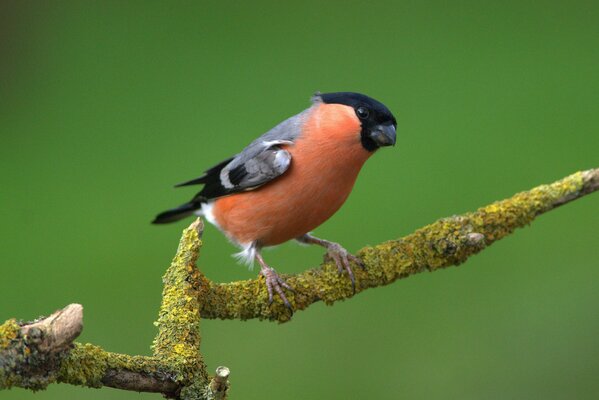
<point x="209" y="174"/>
<point x="253" y="173"/>
<point x="237" y="174"/>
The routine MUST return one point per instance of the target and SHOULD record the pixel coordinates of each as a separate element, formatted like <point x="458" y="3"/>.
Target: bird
<point x="292" y="179"/>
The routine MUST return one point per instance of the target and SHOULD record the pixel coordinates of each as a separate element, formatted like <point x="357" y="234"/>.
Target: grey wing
<point x="259" y="163"/>
<point x="240" y="175"/>
<point x="253" y="172"/>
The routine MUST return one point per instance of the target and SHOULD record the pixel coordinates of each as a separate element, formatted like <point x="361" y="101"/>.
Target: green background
<point x="105" y="105"/>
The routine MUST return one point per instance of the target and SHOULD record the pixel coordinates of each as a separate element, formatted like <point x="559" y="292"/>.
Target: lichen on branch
<point x="178" y="339"/>
<point x="176" y="369"/>
<point x="449" y="241"/>
<point x="31" y="353"/>
<point x="36" y="354"/>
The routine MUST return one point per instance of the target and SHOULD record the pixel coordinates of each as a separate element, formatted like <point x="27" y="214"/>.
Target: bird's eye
<point x="362" y="112"/>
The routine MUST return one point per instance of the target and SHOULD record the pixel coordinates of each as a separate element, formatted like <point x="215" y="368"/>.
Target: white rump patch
<point x="206" y="211"/>
<point x="247" y="255"/>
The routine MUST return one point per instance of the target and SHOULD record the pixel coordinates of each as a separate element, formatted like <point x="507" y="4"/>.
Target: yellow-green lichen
<point x="9" y="354"/>
<point x="178" y="340"/>
<point x="447" y="242"/>
<point x="8" y="332"/>
<point x="87" y="365"/>
<point x="22" y="363"/>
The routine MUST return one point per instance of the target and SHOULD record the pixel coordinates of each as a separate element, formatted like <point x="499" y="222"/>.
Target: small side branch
<point x="449" y="241"/>
<point x="35" y="354"/>
<point x="91" y="366"/>
<point x="219" y="385"/>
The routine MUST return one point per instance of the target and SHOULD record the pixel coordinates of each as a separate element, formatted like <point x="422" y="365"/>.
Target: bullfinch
<point x="292" y="179"/>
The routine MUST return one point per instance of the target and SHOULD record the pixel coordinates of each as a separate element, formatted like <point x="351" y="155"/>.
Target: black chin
<point x="367" y="142"/>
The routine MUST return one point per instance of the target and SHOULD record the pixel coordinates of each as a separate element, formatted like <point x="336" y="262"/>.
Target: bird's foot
<point x="274" y="283"/>
<point x="342" y="259"/>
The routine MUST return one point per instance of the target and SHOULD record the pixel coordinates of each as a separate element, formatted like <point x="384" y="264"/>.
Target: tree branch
<point x="33" y="355"/>
<point x="91" y="366"/>
<point x="178" y="339"/>
<point x="219" y="385"/>
<point x="449" y="241"/>
<point x="28" y="351"/>
<point x="37" y="353"/>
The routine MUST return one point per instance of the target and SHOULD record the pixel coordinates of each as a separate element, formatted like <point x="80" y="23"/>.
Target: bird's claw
<point x="342" y="259"/>
<point x="274" y="283"/>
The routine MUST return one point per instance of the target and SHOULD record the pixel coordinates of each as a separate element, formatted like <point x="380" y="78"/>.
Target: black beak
<point x="383" y="135"/>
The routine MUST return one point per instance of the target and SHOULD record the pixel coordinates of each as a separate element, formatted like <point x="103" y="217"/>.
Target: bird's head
<point x="377" y="124"/>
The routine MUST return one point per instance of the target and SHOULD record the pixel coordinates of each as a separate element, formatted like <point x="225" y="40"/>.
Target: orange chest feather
<point x="325" y="162"/>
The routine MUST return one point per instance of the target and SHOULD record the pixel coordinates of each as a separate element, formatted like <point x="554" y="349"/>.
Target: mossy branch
<point x="449" y="241"/>
<point x="178" y="339"/>
<point x="35" y="354"/>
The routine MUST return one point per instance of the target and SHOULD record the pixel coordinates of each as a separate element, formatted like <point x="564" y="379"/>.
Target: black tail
<point x="178" y="213"/>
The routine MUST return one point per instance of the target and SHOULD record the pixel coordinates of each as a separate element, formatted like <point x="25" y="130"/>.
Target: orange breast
<point x="325" y="163"/>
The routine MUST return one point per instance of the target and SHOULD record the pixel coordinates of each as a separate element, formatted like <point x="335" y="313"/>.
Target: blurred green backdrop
<point x="105" y="105"/>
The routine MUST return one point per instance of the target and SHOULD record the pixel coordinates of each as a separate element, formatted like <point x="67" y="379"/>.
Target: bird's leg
<point x="336" y="252"/>
<point x="273" y="281"/>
